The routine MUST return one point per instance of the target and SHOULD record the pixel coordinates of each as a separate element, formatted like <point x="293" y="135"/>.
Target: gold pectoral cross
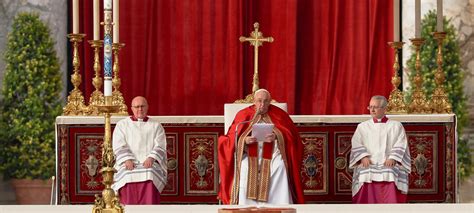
<point x="256" y="39"/>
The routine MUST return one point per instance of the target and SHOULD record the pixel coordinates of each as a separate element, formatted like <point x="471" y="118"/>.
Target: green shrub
<point x="31" y="101"/>
<point x="454" y="79"/>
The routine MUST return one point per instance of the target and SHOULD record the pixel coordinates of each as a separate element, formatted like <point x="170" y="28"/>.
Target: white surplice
<point x="137" y="140"/>
<point x="380" y="141"/>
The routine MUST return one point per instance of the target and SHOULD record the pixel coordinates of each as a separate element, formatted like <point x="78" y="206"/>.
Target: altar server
<point x="139" y="144"/>
<point x="380" y="158"/>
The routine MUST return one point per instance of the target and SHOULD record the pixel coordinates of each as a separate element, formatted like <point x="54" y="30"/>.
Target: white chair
<point x="230" y="110"/>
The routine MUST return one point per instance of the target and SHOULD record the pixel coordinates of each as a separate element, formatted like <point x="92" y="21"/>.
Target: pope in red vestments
<point x="282" y="147"/>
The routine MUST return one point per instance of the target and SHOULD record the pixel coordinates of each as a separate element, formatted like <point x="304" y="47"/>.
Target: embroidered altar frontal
<point x="193" y="173"/>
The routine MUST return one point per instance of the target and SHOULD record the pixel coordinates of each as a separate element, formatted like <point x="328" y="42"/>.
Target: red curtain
<point x="185" y="57"/>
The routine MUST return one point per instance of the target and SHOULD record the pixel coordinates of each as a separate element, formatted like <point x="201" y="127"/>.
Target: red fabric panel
<point x="344" y="56"/>
<point x="328" y="57"/>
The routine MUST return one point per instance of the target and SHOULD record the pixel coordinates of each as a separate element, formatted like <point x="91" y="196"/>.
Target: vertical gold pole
<point x="419" y="103"/>
<point x="118" y="99"/>
<point x="75" y="101"/>
<point x="109" y="202"/>
<point x="256" y="80"/>
<point x="97" y="97"/>
<point x="440" y="101"/>
<point x="396" y="102"/>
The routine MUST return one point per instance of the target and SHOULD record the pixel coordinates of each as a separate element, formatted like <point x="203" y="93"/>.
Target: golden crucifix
<point x="256" y="39"/>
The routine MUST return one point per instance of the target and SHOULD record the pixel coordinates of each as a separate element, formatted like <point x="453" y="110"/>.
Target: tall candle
<point x="96" y="18"/>
<point x="418" y="18"/>
<point x="396" y="20"/>
<point x="75" y="16"/>
<point x="107" y="48"/>
<point x="116" y="21"/>
<point x="439" y="17"/>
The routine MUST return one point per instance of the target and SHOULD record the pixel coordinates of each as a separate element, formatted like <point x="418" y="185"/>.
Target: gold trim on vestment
<point x="265" y="180"/>
<point x="252" y="183"/>
<point x="263" y="183"/>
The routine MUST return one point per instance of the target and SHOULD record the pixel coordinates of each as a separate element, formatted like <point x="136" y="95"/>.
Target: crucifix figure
<point x="256" y="39"/>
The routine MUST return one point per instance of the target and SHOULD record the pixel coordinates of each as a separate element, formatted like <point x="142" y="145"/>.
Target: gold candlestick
<point x="396" y="102"/>
<point x="116" y="82"/>
<point x="419" y="103"/>
<point x="75" y="101"/>
<point x="109" y="202"/>
<point x="440" y="101"/>
<point x="97" y="97"/>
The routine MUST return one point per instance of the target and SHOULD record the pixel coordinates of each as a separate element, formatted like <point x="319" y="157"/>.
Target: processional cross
<point x="256" y="39"/>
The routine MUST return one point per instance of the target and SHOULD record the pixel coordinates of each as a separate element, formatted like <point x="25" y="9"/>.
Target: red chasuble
<point x="292" y="152"/>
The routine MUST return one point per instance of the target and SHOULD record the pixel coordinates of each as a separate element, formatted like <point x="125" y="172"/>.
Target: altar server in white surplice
<point x="380" y="158"/>
<point x="139" y="144"/>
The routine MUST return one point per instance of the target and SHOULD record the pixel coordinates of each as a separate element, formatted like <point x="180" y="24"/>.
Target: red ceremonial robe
<point x="292" y="153"/>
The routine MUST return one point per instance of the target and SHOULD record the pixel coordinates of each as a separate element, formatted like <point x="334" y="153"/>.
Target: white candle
<point x="396" y="20"/>
<point x="75" y="16"/>
<point x="96" y="17"/>
<point x="107" y="4"/>
<point x="439" y="17"/>
<point x="116" y="21"/>
<point x="418" y="18"/>
<point x="107" y="87"/>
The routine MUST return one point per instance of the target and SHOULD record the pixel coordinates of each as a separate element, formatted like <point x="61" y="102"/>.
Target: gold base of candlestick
<point x="109" y="201"/>
<point x="396" y="101"/>
<point x="247" y="100"/>
<point x="120" y="102"/>
<point x="440" y="101"/>
<point x="419" y="103"/>
<point x="96" y="99"/>
<point x="75" y="101"/>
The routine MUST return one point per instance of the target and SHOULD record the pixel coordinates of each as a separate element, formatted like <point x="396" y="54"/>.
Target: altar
<point x="324" y="169"/>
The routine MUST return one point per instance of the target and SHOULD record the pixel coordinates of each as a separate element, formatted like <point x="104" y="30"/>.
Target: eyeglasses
<point x="374" y="107"/>
<point x="139" y="106"/>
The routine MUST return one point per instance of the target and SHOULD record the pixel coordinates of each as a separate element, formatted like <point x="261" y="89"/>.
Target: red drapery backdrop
<point x="184" y="56"/>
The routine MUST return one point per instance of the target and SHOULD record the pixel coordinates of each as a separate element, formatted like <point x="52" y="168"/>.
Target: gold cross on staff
<point x="256" y="39"/>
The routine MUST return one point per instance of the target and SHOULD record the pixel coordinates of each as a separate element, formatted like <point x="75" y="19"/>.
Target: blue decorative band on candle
<point x="107" y="55"/>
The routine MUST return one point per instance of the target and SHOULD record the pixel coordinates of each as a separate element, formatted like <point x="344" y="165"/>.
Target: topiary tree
<point x="454" y="78"/>
<point x="31" y="101"/>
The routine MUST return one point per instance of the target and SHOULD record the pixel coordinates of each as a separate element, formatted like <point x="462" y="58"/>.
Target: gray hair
<point x="263" y="90"/>
<point x="380" y="98"/>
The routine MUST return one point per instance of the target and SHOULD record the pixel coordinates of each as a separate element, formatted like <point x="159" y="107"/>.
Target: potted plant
<point x="31" y="102"/>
